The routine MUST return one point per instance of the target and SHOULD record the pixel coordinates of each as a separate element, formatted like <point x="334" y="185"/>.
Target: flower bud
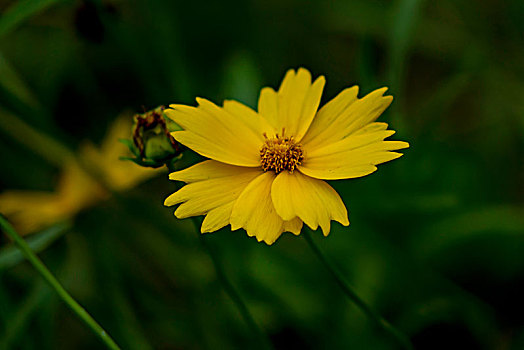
<point x="151" y="135"/>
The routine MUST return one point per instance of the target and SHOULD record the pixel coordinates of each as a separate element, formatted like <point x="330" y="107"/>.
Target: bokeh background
<point x="436" y="243"/>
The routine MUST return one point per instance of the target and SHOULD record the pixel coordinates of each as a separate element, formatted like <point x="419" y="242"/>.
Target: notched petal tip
<point x="267" y="89"/>
<point x="382" y="90"/>
<point x="396" y="145"/>
<point x="234" y="223"/>
<point x="318" y="85"/>
<point x="312" y="225"/>
<point x="380" y="93"/>
<point x="171" y="200"/>
<point x="302" y="70"/>
<point x="179" y="216"/>
<point x="385" y="98"/>
<point x="344" y="222"/>
<point x="184" y="211"/>
<point x="173" y="176"/>
<point x="320" y="80"/>
<point x="304" y="73"/>
<point x="289" y="72"/>
<point x="268" y="242"/>
<point x="201" y="100"/>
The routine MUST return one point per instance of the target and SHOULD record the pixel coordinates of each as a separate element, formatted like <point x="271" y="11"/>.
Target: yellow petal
<point x="295" y="104"/>
<point x="268" y="107"/>
<point x="329" y="113"/>
<point x="371" y="127"/>
<point x="217" y="218"/>
<point x="252" y="119"/>
<point x="31" y="211"/>
<point x="351" y="142"/>
<point x="226" y="151"/>
<point x="213" y="188"/>
<point x="254" y="212"/>
<point x="354" y="156"/>
<point x="312" y="200"/>
<point x="208" y="169"/>
<point x="294" y="226"/>
<point x="216" y="133"/>
<point x="345" y="115"/>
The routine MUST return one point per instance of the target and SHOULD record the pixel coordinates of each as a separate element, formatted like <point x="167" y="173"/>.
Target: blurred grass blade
<point x="36" y="141"/>
<point x="134" y="334"/>
<point x="11" y="256"/>
<point x="495" y="221"/>
<point x="405" y="19"/>
<point x="6" y="303"/>
<point x="20" y="11"/>
<point x="129" y="325"/>
<point x="39" y="266"/>
<point x="441" y="100"/>
<point x="18" y="322"/>
<point x="348" y="290"/>
<point x="242" y="78"/>
<point x="11" y="81"/>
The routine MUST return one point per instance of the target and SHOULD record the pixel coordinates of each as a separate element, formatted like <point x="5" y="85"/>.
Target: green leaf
<point x="11" y="81"/>
<point x="40" y="143"/>
<point x="18" y="323"/>
<point x="20" y="11"/>
<point x="495" y="221"/>
<point x="11" y="256"/>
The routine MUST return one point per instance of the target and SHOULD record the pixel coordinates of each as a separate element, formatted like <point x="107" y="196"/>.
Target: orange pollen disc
<point x="280" y="153"/>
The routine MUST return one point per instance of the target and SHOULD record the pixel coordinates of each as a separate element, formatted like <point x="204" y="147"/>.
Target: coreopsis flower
<point x="31" y="211"/>
<point x="118" y="175"/>
<point x="266" y="169"/>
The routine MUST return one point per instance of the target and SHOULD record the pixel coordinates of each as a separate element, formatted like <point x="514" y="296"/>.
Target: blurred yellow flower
<point x="267" y="169"/>
<point x="118" y="175"/>
<point x="30" y="211"/>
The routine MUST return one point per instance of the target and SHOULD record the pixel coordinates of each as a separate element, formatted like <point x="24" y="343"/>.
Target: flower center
<point x="280" y="153"/>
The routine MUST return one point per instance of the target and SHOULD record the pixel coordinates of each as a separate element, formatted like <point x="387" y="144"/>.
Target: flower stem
<point x="53" y="282"/>
<point x="230" y="290"/>
<point x="353" y="296"/>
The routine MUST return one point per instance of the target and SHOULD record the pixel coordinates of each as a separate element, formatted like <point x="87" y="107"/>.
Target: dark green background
<point x="436" y="243"/>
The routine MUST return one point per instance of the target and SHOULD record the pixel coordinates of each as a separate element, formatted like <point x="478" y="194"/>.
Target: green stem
<point x="36" y="140"/>
<point x="230" y="290"/>
<point x="353" y="296"/>
<point x="52" y="281"/>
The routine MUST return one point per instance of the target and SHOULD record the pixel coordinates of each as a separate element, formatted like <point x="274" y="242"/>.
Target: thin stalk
<point x="37" y="141"/>
<point x="353" y="296"/>
<point x="53" y="282"/>
<point x="230" y="290"/>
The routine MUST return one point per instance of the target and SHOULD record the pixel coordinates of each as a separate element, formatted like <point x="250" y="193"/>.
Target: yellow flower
<point x="266" y="169"/>
<point x="118" y="175"/>
<point x="30" y="211"/>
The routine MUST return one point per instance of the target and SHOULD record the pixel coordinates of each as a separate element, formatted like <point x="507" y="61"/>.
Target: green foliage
<point x="11" y="256"/>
